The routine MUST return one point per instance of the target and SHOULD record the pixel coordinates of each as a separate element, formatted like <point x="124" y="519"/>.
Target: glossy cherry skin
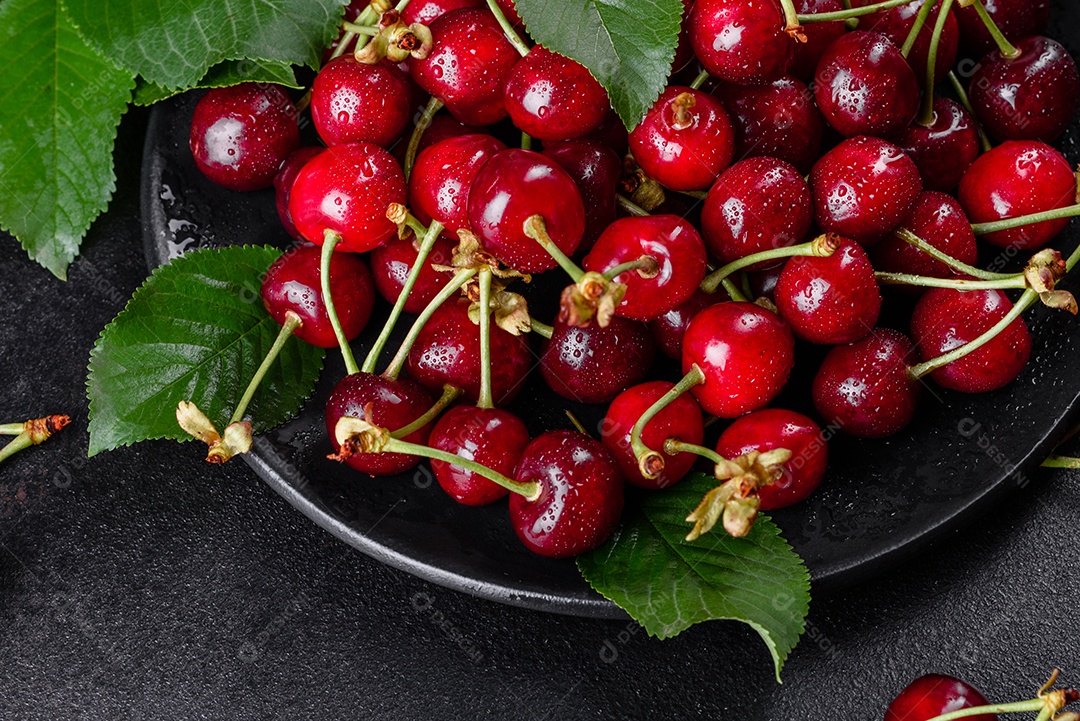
<point x="442" y="126"/>
<point x="772" y="428"/>
<point x="492" y="437"/>
<point x="863" y="188"/>
<point x="347" y="189"/>
<point x="684" y="51"/>
<point x="668" y="329"/>
<point x="441" y="178"/>
<point x="613" y="134"/>
<point x="741" y="41"/>
<point x="777" y="120"/>
<point x="581" y="495"/>
<point x="1030" y="97"/>
<point x="1015" y="18"/>
<point x="283" y="182"/>
<point x="293" y="282"/>
<point x="241" y="134"/>
<point x="746" y="354"/>
<point x="593" y="364"/>
<point x="830" y="300"/>
<point x="864" y="389"/>
<point x="897" y="22"/>
<point x="392" y="261"/>
<point x="448" y="351"/>
<point x="352" y="101"/>
<point x="551" y="97"/>
<point x="469" y="65"/>
<point x="934" y="695"/>
<point x="1018" y="178"/>
<point x="946" y="318"/>
<point x="669" y="240"/>
<point x="940" y="221"/>
<point x="819" y="36"/>
<point x="596" y="169"/>
<point x="757" y="204"/>
<point x="511" y="187"/>
<point x="511" y="13"/>
<point x="392" y="404"/>
<point x="864" y="86"/>
<point x="944" y="150"/>
<point x="685" y="139"/>
<point x="426" y="12"/>
<point x="681" y="420"/>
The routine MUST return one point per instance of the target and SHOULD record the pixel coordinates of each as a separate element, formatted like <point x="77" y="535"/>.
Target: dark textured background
<point x="145" y="584"/>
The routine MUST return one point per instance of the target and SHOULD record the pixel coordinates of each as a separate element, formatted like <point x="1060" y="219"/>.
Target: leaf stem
<point x="508" y="29"/>
<point x="292" y="322"/>
<point x="651" y="463"/>
<point x="1014" y="282"/>
<point x="911" y="239"/>
<point x="485" y="399"/>
<point x="330" y="241"/>
<point x="449" y="395"/>
<point x="433" y="106"/>
<point x="1070" y="211"/>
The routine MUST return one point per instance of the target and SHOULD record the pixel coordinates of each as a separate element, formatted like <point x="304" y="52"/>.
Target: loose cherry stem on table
<point x="330" y="241"/>
<point x="31" y="433"/>
<point x="651" y="463"/>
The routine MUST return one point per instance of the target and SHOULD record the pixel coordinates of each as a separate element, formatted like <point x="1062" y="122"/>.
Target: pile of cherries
<point x="746" y="213"/>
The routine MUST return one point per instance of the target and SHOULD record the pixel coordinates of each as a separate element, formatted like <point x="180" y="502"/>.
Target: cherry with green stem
<point x="33" y="432"/>
<point x="821" y="247"/>
<point x="1007" y="49"/>
<point x="917" y="27"/>
<point x="520" y="45"/>
<point x="850" y="13"/>
<point x="1047" y="702"/>
<point x="651" y="462"/>
<point x="962" y="268"/>
<point x="433" y="106"/>
<point x="926" y="117"/>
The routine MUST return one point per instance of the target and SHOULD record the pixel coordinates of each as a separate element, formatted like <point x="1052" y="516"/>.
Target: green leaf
<point x="628" y="46"/>
<point x="60" y="105"/>
<point x="196" y="330"/>
<point x="173" y="44"/>
<point x="668" y="585"/>
<point x="222" y="75"/>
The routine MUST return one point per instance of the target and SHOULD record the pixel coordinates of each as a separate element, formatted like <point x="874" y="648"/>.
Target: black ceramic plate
<point x="881" y="501"/>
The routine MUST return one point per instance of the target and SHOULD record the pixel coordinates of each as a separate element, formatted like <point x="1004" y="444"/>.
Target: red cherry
<point x="755" y="205"/>
<point x="865" y="389"/>
<point x="945" y="149"/>
<point x="293" y="283"/>
<point x="441" y="178"/>
<point x="741" y="41"/>
<point x="864" y="86"/>
<point x="746" y="354"/>
<point x="818" y="37"/>
<point x="511" y="13"/>
<point x="391" y="263"/>
<point x="668" y="329"/>
<point x="581" y="495"/>
<point x="347" y="189"/>
<point x="681" y="420"/>
<point x="551" y="97"/>
<point x="1030" y="97"/>
<point x="613" y="134"/>
<point x="933" y="695"/>
<point x="1014" y="179"/>
<point x="492" y="437"/>
<point x="940" y="221"/>
<point x="946" y="318"/>
<point x="593" y="364"/>
<point x="897" y="22"/>
<point x="426" y="12"/>
<point x="863" y="188"/>
<point x="674" y="245"/>
<point x="772" y="428"/>
<point x="685" y="139"/>
<point x="240" y="135"/>
<point x="442" y="127"/>
<point x="510" y="188"/>
<point x="387" y="403"/>
<point x="1015" y="18"/>
<point x="830" y="300"/>
<point x="684" y="51"/>
<point x="596" y="169"/>
<point x="468" y="66"/>
<point x="352" y="101"/>
<point x="283" y="182"/>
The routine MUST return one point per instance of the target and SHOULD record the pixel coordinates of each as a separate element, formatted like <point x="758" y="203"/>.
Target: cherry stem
<point x="791" y="18"/>
<point x="1011" y="282"/>
<point x="961" y="93"/>
<point x="529" y="489"/>
<point x="330" y="241"/>
<point x="673" y="446"/>
<point x="292" y="322"/>
<point x="916" y="28"/>
<point x="1035" y="704"/>
<point x="355" y="29"/>
<point x="696" y="194"/>
<point x="1028" y="299"/>
<point x="343" y="45"/>
<point x="485" y="400"/>
<point x="31" y="433"/>
<point x="630" y="206"/>
<point x="508" y="29"/>
<point x="700" y="80"/>
<point x="460" y="278"/>
<point x="926" y="118"/>
<point x="651" y="463"/>
<point x="18" y="443"/>
<point x="526" y="141"/>
<point x="541" y="329"/>
<point x="369" y="16"/>
<point x="821" y="247"/>
<point x="433" y="106"/>
<point x="535" y="228"/>
<point x="733" y="291"/>
<point x="422" y="252"/>
<point x="12" y="429"/>
<point x="646" y="265"/>
<point x="851" y="12"/>
<point x="911" y="239"/>
<point x="1056" y="461"/>
<point x="1007" y="49"/>
<point x="449" y="395"/>
<point x="1070" y="211"/>
<point x="576" y="423"/>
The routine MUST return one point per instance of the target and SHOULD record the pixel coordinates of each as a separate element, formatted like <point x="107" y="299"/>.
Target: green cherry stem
<point x="917" y="27"/>
<point x="485" y="400"/>
<point x="851" y="12"/>
<point x="536" y="229"/>
<point x="422" y="252"/>
<point x="31" y="433"/>
<point x="449" y="395"/>
<point x="961" y="93"/>
<point x="433" y="106"/>
<point x="630" y="206"/>
<point x="701" y="78"/>
<point x="821" y="247"/>
<point x="360" y="29"/>
<point x="330" y="241"/>
<point x="733" y="291"/>
<point x="541" y="329"/>
<point x="1070" y="211"/>
<point x="1056" y="461"/>
<point x="1035" y="704"/>
<point x="370" y="16"/>
<point x="526" y="141"/>
<point x="18" y="443"/>
<point x="911" y="239"/>
<point x="529" y="489"/>
<point x="508" y="29"/>
<point x="651" y="463"/>
<point x="1007" y="49"/>
<point x="12" y="429"/>
<point x="791" y="19"/>
<point x="673" y="446"/>
<point x="926" y="117"/>
<point x="292" y="322"/>
<point x="1011" y="282"/>
<point x="646" y="265"/>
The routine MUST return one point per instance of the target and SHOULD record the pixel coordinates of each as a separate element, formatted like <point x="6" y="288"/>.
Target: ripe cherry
<point x="945" y="318"/>
<point x="940" y="221"/>
<point x="741" y="41"/>
<point x="831" y="300"/>
<point x="944" y="150"/>
<point x="671" y="245"/>
<point x="1015" y="18"/>
<point x="442" y="126"/>
<point x="755" y="205"/>
<point x="551" y="97"/>
<point x="581" y="495"/>
<point x="668" y="329"/>
<point x="352" y="101"/>
<point x="681" y="420"/>
<point x="1019" y="178"/>
<point x="819" y="36"/>
<point x="426" y="12"/>
<point x="593" y="364"/>
<point x="441" y="178"/>
<point x="283" y="182"/>
<point x="933" y="695"/>
<point x="391" y="262"/>
<point x="897" y="22"/>
<point x="492" y="437"/>
<point x="347" y="189"/>
<point x="863" y="188"/>
<point x="865" y="388"/>
<point x="241" y="134"/>
<point x="772" y="428"/>
<point x="746" y="354"/>
<point x="685" y="139"/>
<point x="596" y="169"/>
<point x="864" y="86"/>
